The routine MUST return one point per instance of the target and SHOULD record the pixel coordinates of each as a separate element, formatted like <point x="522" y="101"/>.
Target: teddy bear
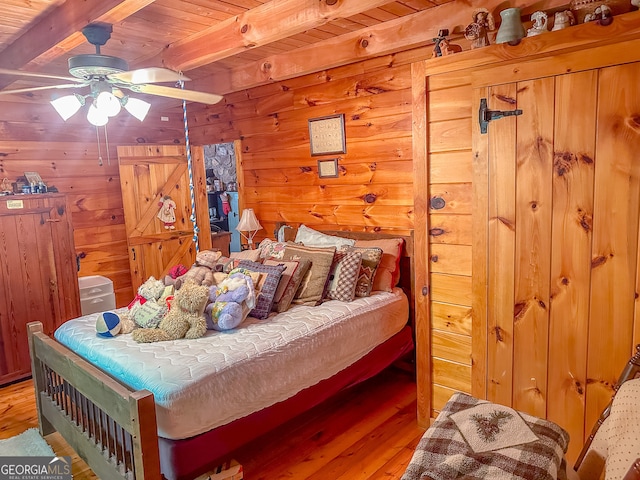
<point x="185" y="318"/>
<point x="148" y="307"/>
<point x="202" y="270"/>
<point x="231" y="302"/>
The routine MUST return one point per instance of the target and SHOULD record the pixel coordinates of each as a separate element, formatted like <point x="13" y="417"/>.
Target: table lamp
<point x="250" y="224"/>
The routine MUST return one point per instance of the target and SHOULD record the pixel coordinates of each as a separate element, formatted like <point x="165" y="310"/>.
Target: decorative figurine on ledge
<point x="563" y="19"/>
<point x="602" y="14"/>
<point x="442" y="47"/>
<point x="539" y="25"/>
<point x="478" y="31"/>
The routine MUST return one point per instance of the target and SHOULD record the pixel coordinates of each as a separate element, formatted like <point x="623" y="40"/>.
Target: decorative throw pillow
<point x="291" y="284"/>
<point x="251" y="255"/>
<point x="370" y="260"/>
<point x="344" y="275"/>
<point x="312" y="286"/>
<point x="287" y="273"/>
<point x="312" y="238"/>
<point x="388" y="273"/>
<point x="266" y="289"/>
<point x="271" y="249"/>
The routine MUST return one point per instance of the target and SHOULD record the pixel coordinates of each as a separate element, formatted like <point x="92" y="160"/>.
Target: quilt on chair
<point x="473" y="438"/>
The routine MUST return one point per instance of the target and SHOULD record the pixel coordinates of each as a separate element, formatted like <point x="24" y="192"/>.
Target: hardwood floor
<point x="366" y="432"/>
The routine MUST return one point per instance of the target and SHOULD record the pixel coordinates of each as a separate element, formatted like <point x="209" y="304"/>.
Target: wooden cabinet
<point x="220" y="241"/>
<point x="38" y="274"/>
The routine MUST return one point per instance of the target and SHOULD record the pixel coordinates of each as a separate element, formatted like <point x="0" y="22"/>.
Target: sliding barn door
<point x="147" y="174"/>
<point x="559" y="254"/>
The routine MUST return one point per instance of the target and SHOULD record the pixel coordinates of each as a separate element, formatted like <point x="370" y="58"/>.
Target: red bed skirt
<point x="188" y="458"/>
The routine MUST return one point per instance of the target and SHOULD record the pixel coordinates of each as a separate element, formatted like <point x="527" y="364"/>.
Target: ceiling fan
<point x="107" y="77"/>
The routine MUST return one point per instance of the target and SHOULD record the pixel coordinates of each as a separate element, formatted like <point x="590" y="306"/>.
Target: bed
<point x="100" y="399"/>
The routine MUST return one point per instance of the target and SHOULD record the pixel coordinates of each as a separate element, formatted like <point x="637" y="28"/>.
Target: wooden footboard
<point x="112" y="428"/>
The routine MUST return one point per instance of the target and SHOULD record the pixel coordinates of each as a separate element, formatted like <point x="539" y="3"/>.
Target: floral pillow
<point x="271" y="249"/>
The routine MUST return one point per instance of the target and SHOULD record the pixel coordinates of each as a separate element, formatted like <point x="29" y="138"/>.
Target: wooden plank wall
<point x="65" y="154"/>
<point x="450" y="234"/>
<point x="466" y="356"/>
<point x="374" y="190"/>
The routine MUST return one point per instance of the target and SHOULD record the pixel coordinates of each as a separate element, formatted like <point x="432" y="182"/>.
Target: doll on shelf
<point x="167" y="212"/>
<point x="478" y="30"/>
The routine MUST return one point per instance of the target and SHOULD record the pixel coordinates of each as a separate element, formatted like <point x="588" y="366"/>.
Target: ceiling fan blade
<point x="47" y="87"/>
<point x="20" y="73"/>
<point x="171" y="92"/>
<point x="148" y="75"/>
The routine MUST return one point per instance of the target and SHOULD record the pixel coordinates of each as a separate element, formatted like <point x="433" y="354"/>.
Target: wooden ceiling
<point x="224" y="46"/>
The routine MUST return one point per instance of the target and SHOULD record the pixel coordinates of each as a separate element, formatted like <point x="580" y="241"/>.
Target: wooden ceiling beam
<point x="60" y="31"/>
<point x="271" y="21"/>
<point x="404" y="33"/>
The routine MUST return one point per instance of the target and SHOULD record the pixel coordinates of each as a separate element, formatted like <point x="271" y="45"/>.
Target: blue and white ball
<point x="108" y="324"/>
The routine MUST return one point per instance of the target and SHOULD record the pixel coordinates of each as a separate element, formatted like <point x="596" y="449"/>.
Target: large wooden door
<point x="147" y="174"/>
<point x="560" y="249"/>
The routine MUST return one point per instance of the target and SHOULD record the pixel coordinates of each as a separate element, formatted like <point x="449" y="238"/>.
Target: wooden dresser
<point x="220" y="241"/>
<point x="38" y="274"/>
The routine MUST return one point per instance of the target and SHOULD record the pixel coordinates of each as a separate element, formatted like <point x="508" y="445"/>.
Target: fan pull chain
<point x="99" y="151"/>
<point x="190" y="168"/>
<point x="106" y="145"/>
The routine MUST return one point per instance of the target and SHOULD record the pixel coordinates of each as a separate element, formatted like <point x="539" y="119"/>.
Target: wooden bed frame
<point x="110" y="426"/>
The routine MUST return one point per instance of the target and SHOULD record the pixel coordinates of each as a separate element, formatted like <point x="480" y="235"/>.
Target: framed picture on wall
<point x="326" y="135"/>
<point x="328" y="168"/>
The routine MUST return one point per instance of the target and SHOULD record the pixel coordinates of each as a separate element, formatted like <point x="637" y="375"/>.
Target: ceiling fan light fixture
<point x="108" y="103"/>
<point x="97" y="117"/>
<point x="136" y="107"/>
<point x="68" y="105"/>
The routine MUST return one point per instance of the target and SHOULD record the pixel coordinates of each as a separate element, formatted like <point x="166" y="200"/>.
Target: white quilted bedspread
<point x="202" y="384"/>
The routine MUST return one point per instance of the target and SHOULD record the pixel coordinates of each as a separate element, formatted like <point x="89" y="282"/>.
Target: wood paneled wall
<point x="279" y="180"/>
<point x="450" y="233"/>
<point x="65" y="154"/>
<point x="464" y="345"/>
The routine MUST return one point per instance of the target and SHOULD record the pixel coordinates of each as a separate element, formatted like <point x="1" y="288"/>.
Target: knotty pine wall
<point x="278" y="177"/>
<point x="450" y="167"/>
<point x="279" y="180"/>
<point x="65" y="154"/>
<point x="462" y="343"/>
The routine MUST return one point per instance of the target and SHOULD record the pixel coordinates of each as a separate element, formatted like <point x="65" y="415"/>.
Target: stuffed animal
<point x="185" y="319"/>
<point x="231" y="302"/>
<point x="202" y="270"/>
<point x="152" y="289"/>
<point x="174" y="272"/>
<point x="147" y="308"/>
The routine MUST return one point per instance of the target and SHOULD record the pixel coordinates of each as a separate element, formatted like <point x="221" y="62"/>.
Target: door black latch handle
<point x="485" y="115"/>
